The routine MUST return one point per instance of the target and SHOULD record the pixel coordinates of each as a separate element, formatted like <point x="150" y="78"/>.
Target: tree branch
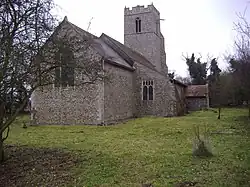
<point x="8" y="130"/>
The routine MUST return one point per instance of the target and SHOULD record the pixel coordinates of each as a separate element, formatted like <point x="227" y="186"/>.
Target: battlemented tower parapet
<point x="140" y="9"/>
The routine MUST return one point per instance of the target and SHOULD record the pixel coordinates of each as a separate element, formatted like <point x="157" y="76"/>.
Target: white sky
<point x="199" y="26"/>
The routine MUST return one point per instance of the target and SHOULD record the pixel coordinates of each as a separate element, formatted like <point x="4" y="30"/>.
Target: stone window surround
<point x="67" y="86"/>
<point x="148" y="84"/>
<point x="138" y="25"/>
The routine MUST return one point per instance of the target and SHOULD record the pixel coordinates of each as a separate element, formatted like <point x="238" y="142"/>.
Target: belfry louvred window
<point x="147" y="90"/>
<point x="138" y="25"/>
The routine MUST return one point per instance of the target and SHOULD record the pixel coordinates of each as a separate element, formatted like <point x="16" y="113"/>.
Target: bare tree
<point x="30" y="57"/>
<point x="214" y="85"/>
<point x="240" y="61"/>
<point x="185" y="80"/>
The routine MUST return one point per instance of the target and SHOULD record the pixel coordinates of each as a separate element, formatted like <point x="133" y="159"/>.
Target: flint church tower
<point x="142" y="33"/>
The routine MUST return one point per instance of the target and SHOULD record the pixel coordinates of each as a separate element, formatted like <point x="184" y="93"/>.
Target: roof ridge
<point x="135" y="52"/>
<point x="130" y="60"/>
<point x="130" y="49"/>
<point x="75" y="27"/>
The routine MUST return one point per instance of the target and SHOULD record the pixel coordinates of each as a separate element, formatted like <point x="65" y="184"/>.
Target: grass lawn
<point x="146" y="150"/>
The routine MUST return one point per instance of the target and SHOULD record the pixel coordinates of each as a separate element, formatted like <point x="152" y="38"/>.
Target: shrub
<point x="24" y="125"/>
<point x="201" y="146"/>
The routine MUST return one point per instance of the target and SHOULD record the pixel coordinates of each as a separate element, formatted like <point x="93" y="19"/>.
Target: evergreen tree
<point x="197" y="70"/>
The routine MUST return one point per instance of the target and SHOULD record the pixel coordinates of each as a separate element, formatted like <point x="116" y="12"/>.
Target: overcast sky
<point x="199" y="26"/>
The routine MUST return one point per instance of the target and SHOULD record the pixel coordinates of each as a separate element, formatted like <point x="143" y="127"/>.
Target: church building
<point x="137" y="85"/>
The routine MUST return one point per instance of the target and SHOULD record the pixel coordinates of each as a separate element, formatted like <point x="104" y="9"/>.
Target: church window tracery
<point x="147" y="90"/>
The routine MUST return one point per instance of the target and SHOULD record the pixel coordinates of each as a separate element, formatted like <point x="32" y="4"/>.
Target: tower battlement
<point x="140" y="9"/>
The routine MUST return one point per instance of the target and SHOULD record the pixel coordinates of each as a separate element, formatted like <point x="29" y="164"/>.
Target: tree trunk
<point x="219" y="112"/>
<point x="1" y="148"/>
<point x="248" y="110"/>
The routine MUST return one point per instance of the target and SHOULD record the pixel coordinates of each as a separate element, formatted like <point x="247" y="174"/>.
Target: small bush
<point x="24" y="125"/>
<point x="201" y="146"/>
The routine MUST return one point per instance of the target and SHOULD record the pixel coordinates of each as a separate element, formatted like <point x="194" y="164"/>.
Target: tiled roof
<point x="197" y="91"/>
<point x="133" y="55"/>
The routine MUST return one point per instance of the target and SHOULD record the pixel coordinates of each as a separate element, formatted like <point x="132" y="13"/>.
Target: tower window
<point x="138" y="25"/>
<point x="147" y="90"/>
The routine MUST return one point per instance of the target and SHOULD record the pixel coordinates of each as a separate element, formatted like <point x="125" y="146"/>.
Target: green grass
<point x="156" y="150"/>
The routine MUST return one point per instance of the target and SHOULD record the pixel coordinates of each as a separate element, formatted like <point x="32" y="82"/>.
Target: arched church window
<point x="138" y="25"/>
<point x="147" y="90"/>
<point x="65" y="70"/>
<point x="150" y="93"/>
<point x="145" y="93"/>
